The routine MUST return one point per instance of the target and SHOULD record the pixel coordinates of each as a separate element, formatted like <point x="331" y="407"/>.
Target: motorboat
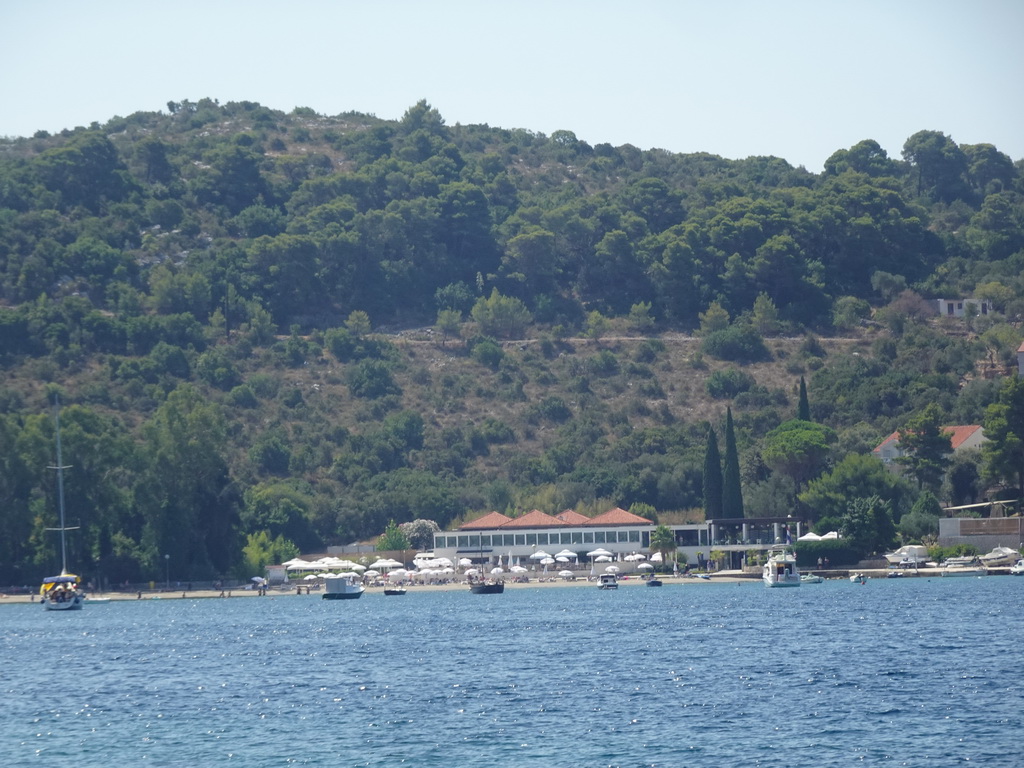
<point x="781" y="569"/>
<point x="858" y="578"/>
<point x="608" y="581"/>
<point x="394" y="590"/>
<point x="653" y="582"/>
<point x="1017" y="569"/>
<point x="1000" y="557"/>
<point x="963" y="566"/>
<point x="909" y="556"/>
<point x="61" y="593"/>
<point x="342" y="586"/>
<point x="491" y="587"/>
<point x="810" y="578"/>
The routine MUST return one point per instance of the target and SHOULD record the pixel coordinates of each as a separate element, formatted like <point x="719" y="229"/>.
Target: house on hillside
<point x="962" y="437"/>
<point x="960" y="307"/>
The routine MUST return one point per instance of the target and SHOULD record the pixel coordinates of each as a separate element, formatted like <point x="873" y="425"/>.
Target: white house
<point x="958" y="307"/>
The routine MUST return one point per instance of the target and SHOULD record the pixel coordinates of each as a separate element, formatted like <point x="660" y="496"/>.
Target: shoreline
<point x="723" y="577"/>
<point x="455" y="586"/>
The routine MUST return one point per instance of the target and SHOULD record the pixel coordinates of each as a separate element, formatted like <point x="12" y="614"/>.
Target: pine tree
<point x="732" y="493"/>
<point x="712" y="477"/>
<point x="803" y="409"/>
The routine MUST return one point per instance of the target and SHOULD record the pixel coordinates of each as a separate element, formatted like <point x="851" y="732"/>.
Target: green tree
<point x="714" y="319"/>
<point x="927" y="447"/>
<point x="1004" y="428"/>
<point x="394" y="539"/>
<point x="922" y="520"/>
<point x="867" y="525"/>
<point x="505" y="317"/>
<point x="765" y="315"/>
<point x="713" y="481"/>
<point x="663" y="540"/>
<point x="448" y="323"/>
<point x="798" y="449"/>
<point x="803" y="408"/>
<point x="732" y="492"/>
<point x="856" y="476"/>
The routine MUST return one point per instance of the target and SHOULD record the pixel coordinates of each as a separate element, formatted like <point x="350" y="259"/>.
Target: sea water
<point x="901" y="672"/>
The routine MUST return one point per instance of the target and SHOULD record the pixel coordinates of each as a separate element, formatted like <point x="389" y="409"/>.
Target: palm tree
<point x="663" y="540"/>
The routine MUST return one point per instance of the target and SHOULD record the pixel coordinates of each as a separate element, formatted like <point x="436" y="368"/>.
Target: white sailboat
<point x="60" y="593"/>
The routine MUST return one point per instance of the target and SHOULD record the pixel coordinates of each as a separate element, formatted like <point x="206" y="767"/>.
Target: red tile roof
<point x="534" y="519"/>
<point x="490" y="520"/>
<point x="618" y="516"/>
<point x="959" y="434"/>
<point x="572" y="517"/>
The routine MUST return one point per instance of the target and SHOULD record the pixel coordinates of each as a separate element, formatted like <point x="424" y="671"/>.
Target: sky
<point x="797" y="79"/>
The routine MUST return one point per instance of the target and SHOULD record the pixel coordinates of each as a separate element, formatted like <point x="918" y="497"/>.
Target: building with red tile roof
<point x="534" y="519"/>
<point x="618" y="516"/>
<point x="962" y="437"/>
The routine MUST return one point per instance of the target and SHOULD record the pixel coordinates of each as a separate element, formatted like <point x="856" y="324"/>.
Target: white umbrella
<point x="310" y="577"/>
<point x="465" y="562"/>
<point x="612" y="569"/>
<point x="656" y="557"/>
<point x="645" y="567"/>
<point x="603" y="559"/>
<point x="399" y="573"/>
<point x="566" y="553"/>
<point x="566" y="574"/>
<point x="599" y="553"/>
<point x="540" y="554"/>
<point x="372" y="574"/>
<point x="472" y="571"/>
<point x="496" y="571"/>
<point x="517" y="569"/>
<point x="561" y="559"/>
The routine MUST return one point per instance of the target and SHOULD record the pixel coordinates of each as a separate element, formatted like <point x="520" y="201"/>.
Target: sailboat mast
<point x="60" y="493"/>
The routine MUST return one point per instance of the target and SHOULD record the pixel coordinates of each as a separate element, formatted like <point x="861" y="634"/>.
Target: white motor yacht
<point x="781" y="569"/>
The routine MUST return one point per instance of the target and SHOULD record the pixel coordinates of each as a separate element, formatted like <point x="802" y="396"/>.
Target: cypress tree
<point x="712" y="477"/>
<point x="803" y="410"/>
<point x="732" y="494"/>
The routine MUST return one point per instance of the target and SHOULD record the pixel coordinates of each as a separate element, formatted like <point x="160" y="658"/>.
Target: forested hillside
<point x="272" y="332"/>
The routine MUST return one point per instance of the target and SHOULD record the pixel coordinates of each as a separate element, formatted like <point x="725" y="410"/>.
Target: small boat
<point x="90" y="600"/>
<point x="781" y="569"/>
<point x="810" y="578"/>
<point x="492" y="587"/>
<point x="608" y="581"/>
<point x="342" y="586"/>
<point x="652" y="582"/>
<point x="394" y="590"/>
<point x="61" y="593"/>
<point x="1017" y="569"/>
<point x="894" y="575"/>
<point x="963" y="566"/>
<point x="858" y="578"/>
<point x="909" y="556"/>
<point x="1000" y="557"/>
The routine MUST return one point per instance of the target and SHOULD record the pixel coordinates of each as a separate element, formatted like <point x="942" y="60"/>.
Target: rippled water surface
<point x="914" y="672"/>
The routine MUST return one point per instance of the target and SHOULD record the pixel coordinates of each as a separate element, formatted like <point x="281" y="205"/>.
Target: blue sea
<point x="911" y="672"/>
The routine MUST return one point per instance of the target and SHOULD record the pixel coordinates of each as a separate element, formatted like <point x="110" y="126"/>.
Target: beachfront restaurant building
<point x="496" y="538"/>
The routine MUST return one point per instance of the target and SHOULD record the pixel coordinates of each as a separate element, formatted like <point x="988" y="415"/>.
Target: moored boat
<point x="781" y="569"/>
<point x="858" y="578"/>
<point x="61" y="593"/>
<point x="608" y="581"/>
<point x="653" y="582"/>
<point x="394" y="590"/>
<point x="1017" y="569"/>
<point x="963" y="566"/>
<point x="810" y="578"/>
<point x="1000" y="557"/>
<point x="342" y="586"/>
<point x="493" y="587"/>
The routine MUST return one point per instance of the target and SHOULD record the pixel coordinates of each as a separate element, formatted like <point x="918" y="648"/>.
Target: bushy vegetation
<point x="286" y="330"/>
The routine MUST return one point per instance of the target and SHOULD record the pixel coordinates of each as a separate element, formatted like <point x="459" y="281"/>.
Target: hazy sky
<point x="793" y="78"/>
